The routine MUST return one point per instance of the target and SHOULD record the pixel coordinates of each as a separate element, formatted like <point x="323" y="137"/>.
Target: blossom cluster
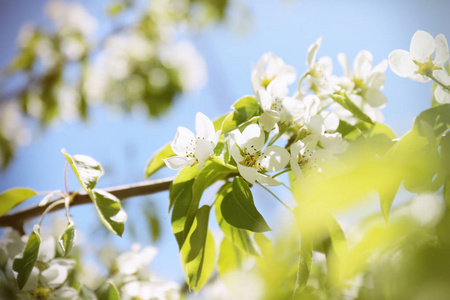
<point x="307" y="120"/>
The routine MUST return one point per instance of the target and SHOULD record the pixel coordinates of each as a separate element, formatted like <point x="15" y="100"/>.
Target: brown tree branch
<point x="16" y="220"/>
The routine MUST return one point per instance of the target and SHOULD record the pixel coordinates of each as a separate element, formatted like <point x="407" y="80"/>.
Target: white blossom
<point x="419" y="61"/>
<point x="441" y="94"/>
<point x="272" y="74"/>
<point x="246" y="149"/>
<point x="190" y="149"/>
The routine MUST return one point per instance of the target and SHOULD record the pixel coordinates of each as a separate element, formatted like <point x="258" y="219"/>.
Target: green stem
<point x="301" y="80"/>
<point x="281" y="172"/>
<point x="445" y="87"/>
<point x="49" y="208"/>
<point x="279" y="200"/>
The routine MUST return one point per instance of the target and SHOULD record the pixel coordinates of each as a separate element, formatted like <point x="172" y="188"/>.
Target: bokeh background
<point x="124" y="142"/>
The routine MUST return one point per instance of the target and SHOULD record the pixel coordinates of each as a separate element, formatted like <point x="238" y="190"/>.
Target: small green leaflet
<point x="304" y="267"/>
<point x="348" y="104"/>
<point x="10" y="198"/>
<point x="157" y="162"/>
<point x="87" y="169"/>
<point x="198" y="254"/>
<point x="230" y="257"/>
<point x="24" y="263"/>
<point x="238" y="237"/>
<point x="109" y="210"/>
<point x="239" y="210"/>
<point x="66" y="239"/>
<point x="107" y="291"/>
<point x="244" y="109"/>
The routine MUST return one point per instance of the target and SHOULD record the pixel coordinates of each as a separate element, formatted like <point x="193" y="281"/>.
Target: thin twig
<point x="16" y="220"/>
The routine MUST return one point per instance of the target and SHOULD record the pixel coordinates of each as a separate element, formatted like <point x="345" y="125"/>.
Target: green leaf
<point x="107" y="291"/>
<point x="10" y="198"/>
<point x="244" y="109"/>
<point x="239" y="237"/>
<point x="109" y="210"/>
<point x="437" y="117"/>
<point x="239" y="210"/>
<point x="212" y="172"/>
<point x="198" y="253"/>
<point x="24" y="263"/>
<point x="264" y="245"/>
<point x="87" y="169"/>
<point x="180" y="197"/>
<point x="156" y="162"/>
<point x="230" y="257"/>
<point x="348" y="104"/>
<point x="66" y="238"/>
<point x="304" y="266"/>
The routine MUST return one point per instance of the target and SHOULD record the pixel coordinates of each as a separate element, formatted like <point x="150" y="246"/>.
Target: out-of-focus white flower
<point x="426" y="209"/>
<point x="319" y="145"/>
<point x="366" y="82"/>
<point x="251" y="161"/>
<point x="191" y="67"/>
<point x="190" y="149"/>
<point x="132" y="261"/>
<point x="319" y="71"/>
<point x="71" y="17"/>
<point x="68" y="98"/>
<point x="12" y="125"/>
<point x="441" y="94"/>
<point x="418" y="63"/>
<point x="72" y="48"/>
<point x="272" y="74"/>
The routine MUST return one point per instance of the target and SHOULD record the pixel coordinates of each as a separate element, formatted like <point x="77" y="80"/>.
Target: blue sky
<point x="123" y="144"/>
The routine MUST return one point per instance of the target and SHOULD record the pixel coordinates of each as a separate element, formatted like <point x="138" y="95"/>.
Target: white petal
<point x="375" y="98"/>
<point x="47" y="249"/>
<point x="203" y="151"/>
<point x="267" y="180"/>
<point x="268" y="119"/>
<point x="381" y="67"/>
<point x="376" y="80"/>
<point x="278" y="87"/>
<point x="296" y="168"/>
<point x="247" y="173"/>
<point x="64" y="293"/>
<point x="362" y="64"/>
<point x="312" y="52"/>
<point x="422" y="46"/>
<point x="294" y="107"/>
<point x="296" y="148"/>
<point x="274" y="158"/>
<point x="178" y="162"/>
<point x="316" y="125"/>
<point x="442" y="76"/>
<point x="442" y="55"/>
<point x="418" y="77"/>
<point x="401" y="63"/>
<point x="54" y="276"/>
<point x="330" y="121"/>
<point x="265" y="98"/>
<point x="441" y="95"/>
<point x="204" y="127"/>
<point x="342" y="59"/>
<point x="184" y="142"/>
<point x="252" y="138"/>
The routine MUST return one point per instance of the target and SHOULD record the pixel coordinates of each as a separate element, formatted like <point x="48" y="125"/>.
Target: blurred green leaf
<point x="6" y="151"/>
<point x="244" y="109"/>
<point x="239" y="237"/>
<point x="157" y="162"/>
<point x="66" y="239"/>
<point x="151" y="214"/>
<point x="109" y="210"/>
<point x="10" y="198"/>
<point x="230" y="257"/>
<point x="87" y="169"/>
<point x="24" y="263"/>
<point x="239" y="210"/>
<point x="348" y="104"/>
<point x="198" y="253"/>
